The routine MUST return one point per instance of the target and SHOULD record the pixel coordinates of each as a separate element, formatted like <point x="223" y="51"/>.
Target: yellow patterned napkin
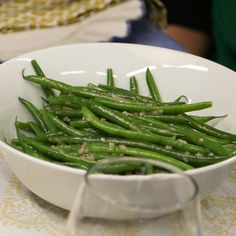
<point x="18" y="15"/>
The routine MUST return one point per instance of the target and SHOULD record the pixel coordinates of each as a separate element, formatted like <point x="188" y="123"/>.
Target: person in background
<point x="204" y="27"/>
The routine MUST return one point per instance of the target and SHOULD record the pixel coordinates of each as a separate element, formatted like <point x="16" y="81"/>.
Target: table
<point x="22" y="213"/>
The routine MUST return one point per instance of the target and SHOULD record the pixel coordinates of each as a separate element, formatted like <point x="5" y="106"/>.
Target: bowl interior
<point x="176" y="74"/>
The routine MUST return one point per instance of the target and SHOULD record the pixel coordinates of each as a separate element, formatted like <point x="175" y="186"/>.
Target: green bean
<point x="149" y="169"/>
<point x="134" y="85"/>
<point x="201" y="134"/>
<point x="67" y="148"/>
<point x="105" y="121"/>
<point x="80" y="124"/>
<point x="91" y="131"/>
<point x="125" y="94"/>
<point x="23" y="125"/>
<point x="181" y="119"/>
<point x="205" y="119"/>
<point x="124" y="120"/>
<point x="37" y="68"/>
<point x="167" y="118"/>
<point x="34" y="112"/>
<point x="67" y="112"/>
<point x="98" y="147"/>
<point x="15" y="141"/>
<point x="94" y="87"/>
<point x="205" y="141"/>
<point x="17" y="147"/>
<point x="79" y="91"/>
<point x="209" y="129"/>
<point x="118" y="169"/>
<point x="48" y="92"/>
<point x="46" y="137"/>
<point x="214" y="145"/>
<point x="110" y="79"/>
<point x="67" y="100"/>
<point x="142" y="107"/>
<point x="101" y="156"/>
<point x="152" y="86"/>
<point x="118" y="118"/>
<point x="36" y="128"/>
<point x="152" y="121"/>
<point x="28" y="149"/>
<point x="137" y="135"/>
<point x="182" y="97"/>
<point x="54" y="153"/>
<point x="66" y="128"/>
<point x="44" y="81"/>
<point x="117" y="93"/>
<point x="196" y="160"/>
<point x="47" y="121"/>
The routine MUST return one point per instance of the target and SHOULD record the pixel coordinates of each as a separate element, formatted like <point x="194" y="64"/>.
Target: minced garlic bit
<point x="167" y="147"/>
<point x="88" y="157"/>
<point x="66" y="119"/>
<point x="122" y="147"/>
<point x="211" y="154"/>
<point x="198" y="155"/>
<point x="83" y="149"/>
<point x="201" y="140"/>
<point x="157" y="112"/>
<point x="111" y="144"/>
<point x="182" y="141"/>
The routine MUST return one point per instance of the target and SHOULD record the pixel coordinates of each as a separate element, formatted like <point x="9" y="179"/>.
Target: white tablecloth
<point x="24" y="214"/>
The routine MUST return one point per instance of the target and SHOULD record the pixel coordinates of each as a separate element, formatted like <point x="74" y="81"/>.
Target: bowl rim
<point x="119" y="44"/>
<point x="72" y="170"/>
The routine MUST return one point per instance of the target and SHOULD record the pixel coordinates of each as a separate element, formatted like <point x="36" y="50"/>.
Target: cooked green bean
<point x="134" y="85"/>
<point x="67" y="112"/>
<point x="209" y="129"/>
<point x="84" y="124"/>
<point x="142" y="107"/>
<point x="194" y="137"/>
<point x="34" y="112"/>
<point x="54" y="153"/>
<point x="126" y="121"/>
<point x="80" y="124"/>
<point x="152" y="86"/>
<point x="110" y="79"/>
<point x="36" y="128"/>
<point x="68" y="100"/>
<point x="195" y="160"/>
<point x="205" y="119"/>
<point x="137" y="135"/>
<point x="66" y="128"/>
<point x="23" y="125"/>
<point x="137" y="152"/>
<point x="47" y="91"/>
<point x="48" y="123"/>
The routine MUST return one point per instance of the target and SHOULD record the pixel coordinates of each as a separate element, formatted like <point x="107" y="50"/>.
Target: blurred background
<point x="202" y="27"/>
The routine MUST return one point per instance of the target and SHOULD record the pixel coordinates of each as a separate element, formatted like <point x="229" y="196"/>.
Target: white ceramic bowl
<point x="176" y="73"/>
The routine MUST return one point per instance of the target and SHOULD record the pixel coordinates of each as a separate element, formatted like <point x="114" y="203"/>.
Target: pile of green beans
<point x="78" y="126"/>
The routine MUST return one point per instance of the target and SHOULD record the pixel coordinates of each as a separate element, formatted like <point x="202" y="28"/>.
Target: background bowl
<point x="176" y="73"/>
